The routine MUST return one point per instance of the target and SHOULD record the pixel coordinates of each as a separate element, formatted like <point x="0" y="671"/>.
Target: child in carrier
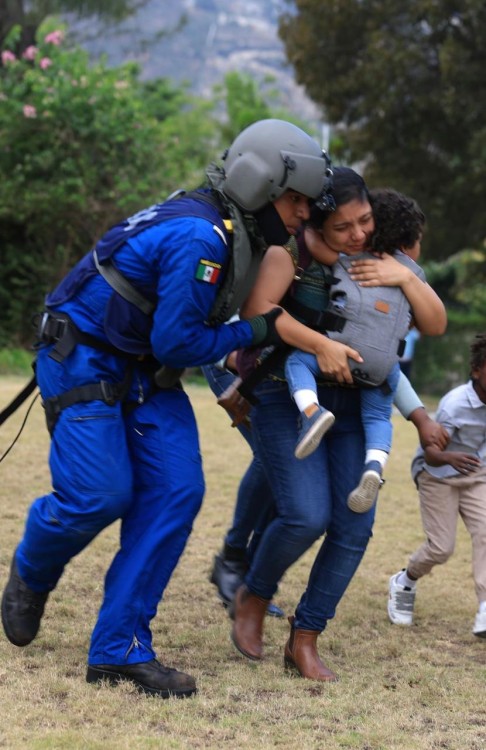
<point x="377" y="320"/>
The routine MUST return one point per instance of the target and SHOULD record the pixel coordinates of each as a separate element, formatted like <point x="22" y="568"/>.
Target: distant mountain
<point x="219" y="37"/>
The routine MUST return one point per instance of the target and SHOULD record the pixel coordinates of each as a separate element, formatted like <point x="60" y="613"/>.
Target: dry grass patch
<point x="421" y="688"/>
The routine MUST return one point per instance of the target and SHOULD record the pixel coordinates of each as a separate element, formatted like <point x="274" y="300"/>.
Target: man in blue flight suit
<point x="151" y="299"/>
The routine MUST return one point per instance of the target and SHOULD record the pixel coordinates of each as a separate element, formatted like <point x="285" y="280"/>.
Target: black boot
<point x="22" y="609"/>
<point x="149" y="677"/>
<point x="228" y="573"/>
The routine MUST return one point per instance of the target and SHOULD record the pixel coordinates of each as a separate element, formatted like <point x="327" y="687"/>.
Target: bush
<point x="81" y="146"/>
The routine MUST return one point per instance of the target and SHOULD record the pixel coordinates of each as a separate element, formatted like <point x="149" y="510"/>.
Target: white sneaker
<point x="400" y="602"/>
<point x="479" y="628"/>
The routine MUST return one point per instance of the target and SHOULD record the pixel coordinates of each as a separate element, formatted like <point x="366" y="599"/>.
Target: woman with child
<point x="311" y="496"/>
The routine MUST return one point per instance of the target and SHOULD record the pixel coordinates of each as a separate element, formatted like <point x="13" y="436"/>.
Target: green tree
<point x="81" y="146"/>
<point x="245" y="101"/>
<point x="404" y="86"/>
<point x="28" y="16"/>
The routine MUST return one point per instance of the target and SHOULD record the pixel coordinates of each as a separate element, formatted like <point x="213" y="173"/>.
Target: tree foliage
<point x="404" y="85"/>
<point x="81" y="146"/>
<point x="246" y="101"/>
<point x="29" y="15"/>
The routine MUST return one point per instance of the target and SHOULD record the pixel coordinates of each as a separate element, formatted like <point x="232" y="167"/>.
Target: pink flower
<point x="45" y="62"/>
<point x="29" y="111"/>
<point x="30" y="52"/>
<point x="55" y="37"/>
<point x="8" y="57"/>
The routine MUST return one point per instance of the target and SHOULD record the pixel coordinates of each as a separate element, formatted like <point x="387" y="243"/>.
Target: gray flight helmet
<point x="270" y="157"/>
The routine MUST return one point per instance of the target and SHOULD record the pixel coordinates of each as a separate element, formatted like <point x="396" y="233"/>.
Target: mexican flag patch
<point x="208" y="271"/>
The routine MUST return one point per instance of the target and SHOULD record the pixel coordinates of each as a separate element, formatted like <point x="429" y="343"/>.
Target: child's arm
<point x="465" y="463"/>
<point x="428" y="309"/>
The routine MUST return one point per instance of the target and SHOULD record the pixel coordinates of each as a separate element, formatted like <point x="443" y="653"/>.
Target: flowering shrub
<point x="81" y="146"/>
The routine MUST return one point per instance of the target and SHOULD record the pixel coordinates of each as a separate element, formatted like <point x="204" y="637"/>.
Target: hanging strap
<point x="18" y="400"/>
<point x="274" y="359"/>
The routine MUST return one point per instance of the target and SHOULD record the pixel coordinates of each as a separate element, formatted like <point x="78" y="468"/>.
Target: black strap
<point x="18" y="400"/>
<point x="325" y="320"/>
<point x="58" y="328"/>
<point x="110" y="393"/>
<point x="274" y="359"/>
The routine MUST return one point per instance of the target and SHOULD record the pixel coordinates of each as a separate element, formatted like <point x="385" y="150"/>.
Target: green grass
<point x="418" y="688"/>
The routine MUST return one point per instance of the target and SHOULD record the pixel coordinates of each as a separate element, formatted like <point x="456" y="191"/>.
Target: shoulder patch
<point x="208" y="271"/>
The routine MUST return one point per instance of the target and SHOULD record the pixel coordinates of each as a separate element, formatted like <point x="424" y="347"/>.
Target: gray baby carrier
<point x="377" y="320"/>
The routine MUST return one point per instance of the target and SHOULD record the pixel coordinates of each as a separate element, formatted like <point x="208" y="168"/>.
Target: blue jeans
<point x="301" y="370"/>
<point x="254" y="502"/>
<point x="311" y="500"/>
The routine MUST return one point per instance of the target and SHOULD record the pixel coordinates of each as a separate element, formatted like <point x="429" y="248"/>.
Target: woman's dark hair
<point x="347" y="186"/>
<point x="478" y="352"/>
<point x="399" y="220"/>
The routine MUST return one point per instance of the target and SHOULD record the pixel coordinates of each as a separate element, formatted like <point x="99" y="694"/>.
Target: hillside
<point x="216" y="38"/>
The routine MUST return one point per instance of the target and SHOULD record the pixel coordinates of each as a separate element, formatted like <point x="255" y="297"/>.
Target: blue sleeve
<point x="189" y="258"/>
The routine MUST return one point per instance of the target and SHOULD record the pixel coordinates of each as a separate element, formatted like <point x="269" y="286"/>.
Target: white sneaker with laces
<point x="479" y="628"/>
<point x="400" y="602"/>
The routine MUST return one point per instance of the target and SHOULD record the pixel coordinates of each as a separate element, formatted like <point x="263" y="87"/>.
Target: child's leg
<point x="439" y="508"/>
<point x="376" y="410"/>
<point x="301" y="370"/>
<point x="472" y="509"/>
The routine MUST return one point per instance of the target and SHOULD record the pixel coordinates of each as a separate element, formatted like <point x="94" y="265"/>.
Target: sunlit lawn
<point x="417" y="688"/>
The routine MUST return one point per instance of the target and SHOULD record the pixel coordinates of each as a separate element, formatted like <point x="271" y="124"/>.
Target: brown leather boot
<point x="301" y="654"/>
<point x="248" y="614"/>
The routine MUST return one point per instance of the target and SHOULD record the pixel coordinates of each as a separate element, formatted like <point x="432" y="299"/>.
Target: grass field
<point x="418" y="688"/>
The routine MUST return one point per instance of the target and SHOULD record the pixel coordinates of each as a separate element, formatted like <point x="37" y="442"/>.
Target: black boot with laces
<point x="149" y="677"/>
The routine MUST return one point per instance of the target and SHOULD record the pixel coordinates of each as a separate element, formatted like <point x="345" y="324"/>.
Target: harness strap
<point x="120" y="284"/>
<point x="110" y="393"/>
<point x="325" y="320"/>
<point x="58" y="328"/>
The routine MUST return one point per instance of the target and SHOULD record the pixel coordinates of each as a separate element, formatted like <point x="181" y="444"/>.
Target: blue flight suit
<point x="143" y="465"/>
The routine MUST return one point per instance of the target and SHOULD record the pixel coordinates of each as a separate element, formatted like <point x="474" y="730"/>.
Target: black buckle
<point x="109" y="393"/>
<point x="330" y="321"/>
<point x="51" y="328"/>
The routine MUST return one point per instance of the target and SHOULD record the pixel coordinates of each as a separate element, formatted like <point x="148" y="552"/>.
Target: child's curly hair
<point x="478" y="352"/>
<point x="399" y="220"/>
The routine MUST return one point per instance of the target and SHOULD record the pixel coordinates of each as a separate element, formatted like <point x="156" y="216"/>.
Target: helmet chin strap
<point x="271" y="225"/>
